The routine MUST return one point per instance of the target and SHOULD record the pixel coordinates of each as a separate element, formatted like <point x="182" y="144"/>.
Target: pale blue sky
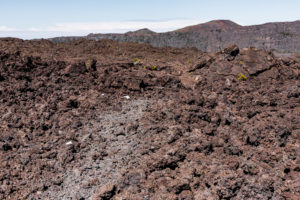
<point x="47" y="18"/>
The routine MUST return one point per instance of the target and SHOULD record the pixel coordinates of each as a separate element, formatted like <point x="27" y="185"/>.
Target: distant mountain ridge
<point x="214" y="35"/>
<point x="212" y="25"/>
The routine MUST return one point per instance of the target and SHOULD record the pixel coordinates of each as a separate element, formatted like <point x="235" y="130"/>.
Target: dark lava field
<point x="126" y="121"/>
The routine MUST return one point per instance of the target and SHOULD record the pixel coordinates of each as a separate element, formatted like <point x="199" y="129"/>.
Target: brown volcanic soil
<point x="86" y="120"/>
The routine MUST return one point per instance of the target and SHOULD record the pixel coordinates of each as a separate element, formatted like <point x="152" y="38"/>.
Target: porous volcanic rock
<point x="85" y="120"/>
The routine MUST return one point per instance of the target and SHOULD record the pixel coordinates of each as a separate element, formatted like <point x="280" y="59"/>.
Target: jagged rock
<point x="175" y="133"/>
<point x="204" y="61"/>
<point x="106" y="192"/>
<point x="76" y="69"/>
<point x="256" y="61"/>
<point x="231" y="52"/>
<point x="1" y="78"/>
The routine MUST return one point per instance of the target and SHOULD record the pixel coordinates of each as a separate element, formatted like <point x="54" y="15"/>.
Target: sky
<point x="28" y="19"/>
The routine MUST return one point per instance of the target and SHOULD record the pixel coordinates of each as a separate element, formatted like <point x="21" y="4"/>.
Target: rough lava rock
<point x="81" y="121"/>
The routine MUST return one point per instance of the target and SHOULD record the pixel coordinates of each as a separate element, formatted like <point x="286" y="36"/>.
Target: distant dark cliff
<point x="215" y="35"/>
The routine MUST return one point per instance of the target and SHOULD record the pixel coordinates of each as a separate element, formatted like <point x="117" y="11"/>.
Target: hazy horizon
<point x="43" y="18"/>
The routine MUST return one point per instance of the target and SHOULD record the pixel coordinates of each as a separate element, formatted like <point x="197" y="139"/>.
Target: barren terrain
<point x="107" y="120"/>
<point x="279" y="37"/>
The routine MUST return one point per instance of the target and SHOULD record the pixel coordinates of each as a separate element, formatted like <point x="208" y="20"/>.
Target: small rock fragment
<point x="231" y="51"/>
<point x="127" y="97"/>
<point x="106" y="192"/>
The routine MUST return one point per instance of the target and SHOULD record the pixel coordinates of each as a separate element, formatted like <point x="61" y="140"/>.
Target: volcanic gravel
<point x="107" y="120"/>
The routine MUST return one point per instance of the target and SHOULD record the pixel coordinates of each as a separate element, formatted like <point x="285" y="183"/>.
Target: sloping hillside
<point x="283" y="37"/>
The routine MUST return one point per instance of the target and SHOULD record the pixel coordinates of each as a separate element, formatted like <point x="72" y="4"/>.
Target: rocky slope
<point x="106" y="120"/>
<point x="283" y="37"/>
